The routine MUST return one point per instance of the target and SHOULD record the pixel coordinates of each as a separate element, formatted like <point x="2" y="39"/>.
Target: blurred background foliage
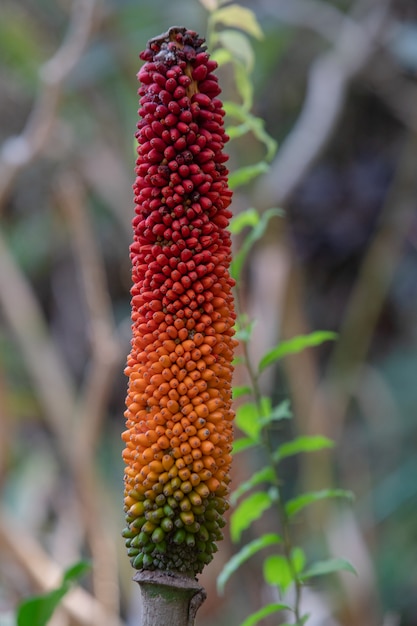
<point x="335" y="83"/>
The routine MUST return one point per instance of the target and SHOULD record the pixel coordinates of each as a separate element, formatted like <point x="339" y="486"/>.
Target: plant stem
<point x="169" y="599"/>
<point x="282" y="515"/>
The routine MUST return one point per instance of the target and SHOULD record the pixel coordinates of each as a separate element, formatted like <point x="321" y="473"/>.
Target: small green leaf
<point x="238" y="45"/>
<point x="237" y="131"/>
<point x="76" y="571"/>
<point x="300" y="502"/>
<point x="329" y="566"/>
<point x="244" y="175"/>
<point x="256" y="233"/>
<point x="250" y="123"/>
<point x="264" y="612"/>
<point x="250" y="217"/>
<point x="247" y="419"/>
<point x="277" y="570"/>
<point x="239" y="17"/>
<point x="243" y="555"/>
<point x="266" y="474"/>
<point x="243" y="444"/>
<point x="248" y="511"/>
<point x="244" y="86"/>
<point x="238" y="392"/>
<point x="244" y="333"/>
<point x="38" y="611"/>
<point x="294" y="345"/>
<point x="221" y="56"/>
<point x="281" y="412"/>
<point x="302" y="444"/>
<point x="298" y="559"/>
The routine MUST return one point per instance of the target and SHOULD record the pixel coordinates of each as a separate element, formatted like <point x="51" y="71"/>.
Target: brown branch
<point x="375" y="278"/>
<point x="106" y="348"/>
<point x="17" y="152"/>
<point x="45" y="574"/>
<point x="5" y="427"/>
<point x="328" y="81"/>
<point x="106" y="356"/>
<point x="50" y="376"/>
<point x="315" y="15"/>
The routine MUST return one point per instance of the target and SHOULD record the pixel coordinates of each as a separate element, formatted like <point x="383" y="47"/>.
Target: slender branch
<point x="45" y="574"/>
<point x="17" y="152"/>
<point x="106" y="355"/>
<point x="5" y="427"/>
<point x="375" y="278"/>
<point x="106" y="348"/>
<point x="328" y="80"/>
<point x="322" y="18"/>
<point x="47" y="369"/>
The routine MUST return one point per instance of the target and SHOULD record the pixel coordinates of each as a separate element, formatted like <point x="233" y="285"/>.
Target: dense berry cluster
<point x="179" y="416"/>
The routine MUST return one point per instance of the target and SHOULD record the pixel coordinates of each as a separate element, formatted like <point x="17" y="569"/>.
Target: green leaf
<point x="302" y="444"/>
<point x="329" y="566"/>
<point x="300" y="502"/>
<point x="244" y="333"/>
<point x="238" y="392"/>
<point x="239" y="17"/>
<point x="256" y="233"/>
<point x="298" y="559"/>
<point x="248" y="511"/>
<point x="243" y="444"/>
<point x="244" y="86"/>
<point x="38" y="611"/>
<point x="250" y="217"/>
<point x="264" y="612"/>
<point x="266" y="474"/>
<point x="236" y="131"/>
<point x="247" y="419"/>
<point x="221" y="56"/>
<point x="244" y="175"/>
<point x="277" y="570"/>
<point x="281" y="412"/>
<point x="294" y="345"/>
<point x="76" y="571"/>
<point x="250" y="123"/>
<point x="238" y="45"/>
<point x="243" y="555"/>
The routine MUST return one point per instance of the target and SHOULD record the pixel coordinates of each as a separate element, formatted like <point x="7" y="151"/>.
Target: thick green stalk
<point x="169" y="599"/>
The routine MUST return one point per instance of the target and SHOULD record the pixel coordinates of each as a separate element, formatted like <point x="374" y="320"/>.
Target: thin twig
<point x="320" y="17"/>
<point x="45" y="574"/>
<point x="93" y="399"/>
<point x="17" y="152"/>
<point x="328" y="80"/>
<point x="50" y="376"/>
<point x="106" y="348"/>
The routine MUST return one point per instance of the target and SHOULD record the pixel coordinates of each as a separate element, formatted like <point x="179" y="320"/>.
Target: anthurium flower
<point x="179" y="416"/>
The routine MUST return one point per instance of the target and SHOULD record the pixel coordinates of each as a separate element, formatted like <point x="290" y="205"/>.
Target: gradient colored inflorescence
<point x="179" y="416"/>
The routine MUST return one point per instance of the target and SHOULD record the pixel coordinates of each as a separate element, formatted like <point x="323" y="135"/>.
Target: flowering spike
<point x="179" y="416"/>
